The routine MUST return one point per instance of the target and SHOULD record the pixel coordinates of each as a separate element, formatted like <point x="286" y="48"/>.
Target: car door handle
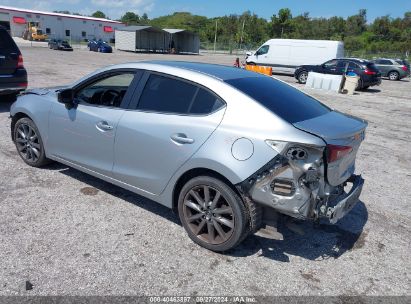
<point x="181" y="138"/>
<point x="104" y="126"/>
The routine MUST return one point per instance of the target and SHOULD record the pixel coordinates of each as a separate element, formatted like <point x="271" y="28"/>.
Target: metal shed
<point x="183" y="41"/>
<point x="141" y="38"/>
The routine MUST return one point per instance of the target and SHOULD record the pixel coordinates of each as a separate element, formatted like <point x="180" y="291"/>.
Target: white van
<point x="285" y="55"/>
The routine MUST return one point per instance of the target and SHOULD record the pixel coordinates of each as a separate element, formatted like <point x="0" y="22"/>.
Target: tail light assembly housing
<point x="404" y="68"/>
<point x="369" y="72"/>
<point x="20" y="63"/>
<point x="335" y="152"/>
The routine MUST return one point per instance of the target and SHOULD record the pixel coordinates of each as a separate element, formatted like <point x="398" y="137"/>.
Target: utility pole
<point x="215" y="36"/>
<point x="242" y="33"/>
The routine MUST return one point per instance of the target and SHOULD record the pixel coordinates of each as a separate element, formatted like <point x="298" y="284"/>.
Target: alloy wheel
<point x="393" y="76"/>
<point x="302" y="77"/>
<point x="208" y="214"/>
<point x="28" y="143"/>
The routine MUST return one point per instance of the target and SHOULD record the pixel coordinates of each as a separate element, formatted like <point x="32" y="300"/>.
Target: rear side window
<point x="205" y="103"/>
<point x="283" y="100"/>
<point x="384" y="61"/>
<point x="168" y="95"/>
<point x="6" y="42"/>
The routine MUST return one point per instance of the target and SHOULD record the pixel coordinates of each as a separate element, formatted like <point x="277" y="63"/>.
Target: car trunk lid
<point x="343" y="135"/>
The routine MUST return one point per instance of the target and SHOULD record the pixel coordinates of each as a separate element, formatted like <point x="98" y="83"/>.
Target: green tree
<point x="130" y="18"/>
<point x="281" y="25"/>
<point x="99" y="14"/>
<point x="357" y="24"/>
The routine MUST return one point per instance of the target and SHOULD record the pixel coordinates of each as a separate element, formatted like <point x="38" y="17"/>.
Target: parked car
<point x="13" y="75"/>
<point x="391" y="68"/>
<point x="406" y="63"/>
<point x="57" y="44"/>
<point x="99" y="46"/>
<point x="368" y="72"/>
<point x="285" y="55"/>
<point x="174" y="132"/>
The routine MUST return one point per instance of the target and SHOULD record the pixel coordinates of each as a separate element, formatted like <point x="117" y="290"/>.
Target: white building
<point x="146" y="38"/>
<point x="59" y="26"/>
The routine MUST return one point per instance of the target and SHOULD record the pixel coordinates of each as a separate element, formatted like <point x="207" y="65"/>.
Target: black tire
<point x="394" y="75"/>
<point x="365" y="87"/>
<point x="28" y="147"/>
<point x="359" y="85"/>
<point x="9" y="97"/>
<point x="212" y="232"/>
<point x="255" y="219"/>
<point x="302" y="77"/>
<point x="251" y="63"/>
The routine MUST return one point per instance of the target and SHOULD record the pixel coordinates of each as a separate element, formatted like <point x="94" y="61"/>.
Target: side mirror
<point x="67" y="97"/>
<point x="248" y="54"/>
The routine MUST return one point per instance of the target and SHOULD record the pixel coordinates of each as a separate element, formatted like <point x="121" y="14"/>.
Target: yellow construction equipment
<point x="33" y="32"/>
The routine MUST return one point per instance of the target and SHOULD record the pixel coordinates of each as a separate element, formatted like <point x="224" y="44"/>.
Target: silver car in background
<point x="226" y="148"/>
<point x="393" y="69"/>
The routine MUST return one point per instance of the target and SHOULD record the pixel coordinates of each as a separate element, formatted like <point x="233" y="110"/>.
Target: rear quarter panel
<point x="244" y="118"/>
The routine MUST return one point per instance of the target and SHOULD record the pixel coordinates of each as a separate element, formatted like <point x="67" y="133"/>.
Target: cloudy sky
<point x="211" y="8"/>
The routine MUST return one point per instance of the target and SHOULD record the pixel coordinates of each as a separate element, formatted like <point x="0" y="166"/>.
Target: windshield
<point x="283" y="100"/>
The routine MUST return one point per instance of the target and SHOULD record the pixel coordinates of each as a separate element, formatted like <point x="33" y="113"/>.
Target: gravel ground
<point x="67" y="233"/>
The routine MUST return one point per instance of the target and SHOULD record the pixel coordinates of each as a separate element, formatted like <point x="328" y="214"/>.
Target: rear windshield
<point x="6" y="42"/>
<point x="371" y="66"/>
<point x="285" y="101"/>
<point x="403" y="62"/>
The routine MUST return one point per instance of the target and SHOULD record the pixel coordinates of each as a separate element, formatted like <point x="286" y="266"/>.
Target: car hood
<point x="44" y="91"/>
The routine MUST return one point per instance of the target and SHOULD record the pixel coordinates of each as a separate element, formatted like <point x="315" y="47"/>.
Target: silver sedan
<point x="226" y="148"/>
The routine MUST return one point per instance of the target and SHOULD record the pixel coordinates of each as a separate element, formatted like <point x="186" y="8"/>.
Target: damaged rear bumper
<point x="298" y="188"/>
<point x="347" y="201"/>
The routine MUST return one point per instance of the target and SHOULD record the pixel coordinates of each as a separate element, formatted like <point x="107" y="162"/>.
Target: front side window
<point x="108" y="91"/>
<point x="263" y="50"/>
<point x="169" y="95"/>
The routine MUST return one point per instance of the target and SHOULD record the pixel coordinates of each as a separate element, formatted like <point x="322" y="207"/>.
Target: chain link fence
<point x="237" y="49"/>
<point x="375" y="55"/>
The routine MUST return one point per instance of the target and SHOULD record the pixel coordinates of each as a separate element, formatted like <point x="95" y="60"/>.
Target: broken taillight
<point x="20" y="62"/>
<point x="337" y="152"/>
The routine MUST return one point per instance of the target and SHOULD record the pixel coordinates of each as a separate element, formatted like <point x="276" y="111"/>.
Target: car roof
<point x="221" y="72"/>
<point x="355" y="59"/>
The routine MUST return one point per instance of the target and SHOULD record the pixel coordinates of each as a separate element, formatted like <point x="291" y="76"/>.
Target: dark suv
<point x="13" y="75"/>
<point x="368" y="72"/>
